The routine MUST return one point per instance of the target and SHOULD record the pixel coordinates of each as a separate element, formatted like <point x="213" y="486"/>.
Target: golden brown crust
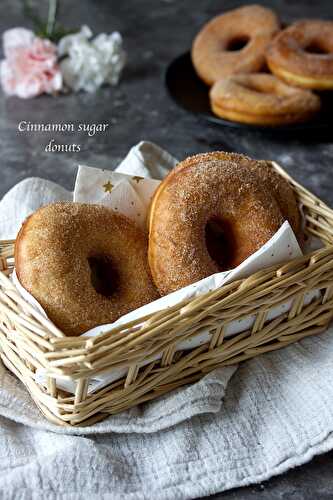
<point x="51" y="259"/>
<point x="212" y="186"/>
<point x="275" y="183"/>
<point x="282" y="192"/>
<point x="261" y="99"/>
<point x="289" y="55"/>
<point x="210" y="55"/>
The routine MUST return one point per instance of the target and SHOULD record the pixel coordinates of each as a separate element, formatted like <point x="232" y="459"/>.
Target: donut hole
<point x="316" y="48"/>
<point x="220" y="242"/>
<point x="104" y="277"/>
<point x="237" y="43"/>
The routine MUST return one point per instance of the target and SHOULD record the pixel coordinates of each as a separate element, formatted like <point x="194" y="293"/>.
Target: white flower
<point x="90" y="63"/>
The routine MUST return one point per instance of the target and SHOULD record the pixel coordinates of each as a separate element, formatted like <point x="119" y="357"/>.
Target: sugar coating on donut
<point x="215" y="187"/>
<point x="85" y="264"/>
<point x="212" y="58"/>
<point x="292" y="53"/>
<point x="282" y="192"/>
<point x="262" y="98"/>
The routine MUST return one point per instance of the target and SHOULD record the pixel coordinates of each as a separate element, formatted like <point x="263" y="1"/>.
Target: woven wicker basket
<point x="28" y="341"/>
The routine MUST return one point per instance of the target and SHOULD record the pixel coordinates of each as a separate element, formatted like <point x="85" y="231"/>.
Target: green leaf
<point x="49" y="29"/>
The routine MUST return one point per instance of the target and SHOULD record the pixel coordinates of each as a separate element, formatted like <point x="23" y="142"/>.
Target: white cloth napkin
<point x="276" y="412"/>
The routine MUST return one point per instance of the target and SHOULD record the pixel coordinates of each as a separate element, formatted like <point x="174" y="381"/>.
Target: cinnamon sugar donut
<point x="209" y="214"/>
<point x="234" y="42"/>
<point x="85" y="264"/>
<point x="281" y="190"/>
<point x="267" y="175"/>
<point x="261" y="99"/>
<point x="302" y="54"/>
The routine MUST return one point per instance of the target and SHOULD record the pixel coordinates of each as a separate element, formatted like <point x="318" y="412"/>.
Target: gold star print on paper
<point x="137" y="178"/>
<point x="108" y="187"/>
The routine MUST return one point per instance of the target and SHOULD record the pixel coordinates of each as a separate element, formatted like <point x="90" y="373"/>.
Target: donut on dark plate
<point x="262" y="99"/>
<point x="234" y="42"/>
<point x="302" y="54"/>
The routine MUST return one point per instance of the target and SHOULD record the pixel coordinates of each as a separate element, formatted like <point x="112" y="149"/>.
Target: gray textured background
<point x="155" y="32"/>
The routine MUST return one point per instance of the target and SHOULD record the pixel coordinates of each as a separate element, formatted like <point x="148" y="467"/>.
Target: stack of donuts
<point x="87" y="265"/>
<point x="260" y="74"/>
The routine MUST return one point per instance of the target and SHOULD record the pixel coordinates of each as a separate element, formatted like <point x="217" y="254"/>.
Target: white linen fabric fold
<point x="274" y="413"/>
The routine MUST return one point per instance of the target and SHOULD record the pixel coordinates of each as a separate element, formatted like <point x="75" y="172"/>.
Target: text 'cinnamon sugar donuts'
<point x="210" y="213"/>
<point x="302" y="54"/>
<point x="85" y="264"/>
<point x="234" y="42"/>
<point x="262" y="99"/>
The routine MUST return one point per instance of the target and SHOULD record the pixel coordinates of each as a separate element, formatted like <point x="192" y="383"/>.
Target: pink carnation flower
<point x="30" y="66"/>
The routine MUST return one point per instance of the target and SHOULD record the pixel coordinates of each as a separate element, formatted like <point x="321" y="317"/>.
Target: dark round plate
<point x="191" y="94"/>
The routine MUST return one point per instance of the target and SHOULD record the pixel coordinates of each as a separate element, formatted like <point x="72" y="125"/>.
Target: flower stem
<point x="51" y="18"/>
